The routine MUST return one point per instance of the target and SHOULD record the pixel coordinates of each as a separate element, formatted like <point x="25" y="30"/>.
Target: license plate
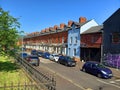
<point x="33" y="61"/>
<point x="110" y="74"/>
<point x="73" y="63"/>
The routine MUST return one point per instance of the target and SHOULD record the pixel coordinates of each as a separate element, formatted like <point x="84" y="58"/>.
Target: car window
<point x="56" y="56"/>
<point x="100" y="65"/>
<point x="94" y="66"/>
<point x="61" y="57"/>
<point x="23" y="54"/>
<point x="88" y="64"/>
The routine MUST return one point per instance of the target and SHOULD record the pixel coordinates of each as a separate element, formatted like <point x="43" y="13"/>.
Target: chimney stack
<point x="47" y="29"/>
<point x="62" y="25"/>
<point x="55" y="27"/>
<point x="82" y="20"/>
<point x="70" y="23"/>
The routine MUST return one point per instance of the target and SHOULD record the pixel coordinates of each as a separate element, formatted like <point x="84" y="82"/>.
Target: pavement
<point x="116" y="72"/>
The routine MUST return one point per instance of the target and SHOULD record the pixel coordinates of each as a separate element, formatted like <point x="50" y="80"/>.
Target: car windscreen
<point x="100" y="65"/>
<point x="39" y="52"/>
<point x="68" y="58"/>
<point x="34" y="57"/>
<point x="56" y="56"/>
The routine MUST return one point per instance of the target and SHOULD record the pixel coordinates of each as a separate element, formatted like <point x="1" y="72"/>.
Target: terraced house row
<point x="85" y="39"/>
<point x="63" y="39"/>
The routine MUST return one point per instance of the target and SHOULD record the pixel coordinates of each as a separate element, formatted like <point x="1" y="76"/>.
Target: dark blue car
<point x="34" y="52"/>
<point x="46" y="55"/>
<point x="97" y="69"/>
<point x="39" y="53"/>
<point x="66" y="60"/>
<point x="23" y="55"/>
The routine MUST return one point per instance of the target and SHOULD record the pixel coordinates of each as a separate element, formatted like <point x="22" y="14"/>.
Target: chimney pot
<point x="82" y="20"/>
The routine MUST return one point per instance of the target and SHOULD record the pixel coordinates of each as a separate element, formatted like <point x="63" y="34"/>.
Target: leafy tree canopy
<point x="8" y="32"/>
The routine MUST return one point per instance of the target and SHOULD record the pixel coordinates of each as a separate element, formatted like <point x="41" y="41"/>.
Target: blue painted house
<point x="74" y="35"/>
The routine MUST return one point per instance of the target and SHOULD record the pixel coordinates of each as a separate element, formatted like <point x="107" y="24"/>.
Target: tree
<point x="8" y="32"/>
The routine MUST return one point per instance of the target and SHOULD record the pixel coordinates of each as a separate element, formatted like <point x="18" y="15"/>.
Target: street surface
<point x="71" y="78"/>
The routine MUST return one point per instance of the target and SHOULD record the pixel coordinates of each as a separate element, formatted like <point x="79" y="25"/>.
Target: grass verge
<point x="11" y="72"/>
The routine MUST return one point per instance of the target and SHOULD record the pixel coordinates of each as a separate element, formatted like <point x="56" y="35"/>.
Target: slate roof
<point x="93" y="29"/>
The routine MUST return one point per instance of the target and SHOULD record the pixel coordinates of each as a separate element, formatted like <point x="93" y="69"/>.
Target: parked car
<point x="33" y="59"/>
<point x="39" y="53"/>
<point x="23" y="55"/>
<point x="34" y="52"/>
<point x="54" y="57"/>
<point x="46" y="55"/>
<point x="66" y="60"/>
<point x="97" y="69"/>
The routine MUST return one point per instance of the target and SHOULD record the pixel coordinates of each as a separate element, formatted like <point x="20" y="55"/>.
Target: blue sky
<point x="36" y="15"/>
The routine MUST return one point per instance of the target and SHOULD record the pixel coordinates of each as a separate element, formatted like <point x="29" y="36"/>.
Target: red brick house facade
<point x="52" y="39"/>
<point x="91" y="41"/>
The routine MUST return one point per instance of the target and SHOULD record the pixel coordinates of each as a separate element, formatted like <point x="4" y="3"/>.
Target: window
<point x="62" y="39"/>
<point x="69" y="52"/>
<point x="58" y="40"/>
<point x="115" y="37"/>
<point x="74" y="52"/>
<point x="92" y="39"/>
<point x="70" y="40"/>
<point x="75" y="40"/>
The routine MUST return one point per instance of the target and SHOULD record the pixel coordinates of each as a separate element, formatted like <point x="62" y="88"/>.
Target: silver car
<point x="54" y="57"/>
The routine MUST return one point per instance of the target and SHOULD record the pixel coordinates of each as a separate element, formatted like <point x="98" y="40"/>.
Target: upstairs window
<point x="115" y="37"/>
<point x="74" y="52"/>
<point x="75" y="40"/>
<point x="69" y="52"/>
<point x="71" y="40"/>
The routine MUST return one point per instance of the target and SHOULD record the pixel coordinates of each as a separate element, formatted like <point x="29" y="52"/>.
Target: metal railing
<point x="19" y="86"/>
<point x="48" y="80"/>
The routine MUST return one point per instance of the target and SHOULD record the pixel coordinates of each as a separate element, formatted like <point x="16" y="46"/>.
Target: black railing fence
<point x="42" y="79"/>
<point x="19" y="86"/>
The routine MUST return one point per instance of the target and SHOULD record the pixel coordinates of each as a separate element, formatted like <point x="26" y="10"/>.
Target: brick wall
<point x="93" y="40"/>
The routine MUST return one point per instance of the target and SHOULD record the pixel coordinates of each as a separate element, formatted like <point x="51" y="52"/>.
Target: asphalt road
<point x="71" y="78"/>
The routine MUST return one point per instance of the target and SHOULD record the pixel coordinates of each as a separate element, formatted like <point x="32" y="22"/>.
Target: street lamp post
<point x="102" y="42"/>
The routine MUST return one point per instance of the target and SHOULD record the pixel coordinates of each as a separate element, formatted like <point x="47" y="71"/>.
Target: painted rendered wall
<point x="88" y="25"/>
<point x="71" y="46"/>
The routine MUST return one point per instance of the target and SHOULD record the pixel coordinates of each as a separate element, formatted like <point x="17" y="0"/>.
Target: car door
<point x="52" y="57"/>
<point x="61" y="59"/>
<point x="88" y="67"/>
<point x="94" y="69"/>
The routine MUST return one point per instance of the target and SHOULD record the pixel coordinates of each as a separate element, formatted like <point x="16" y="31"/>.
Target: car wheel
<point x="58" y="61"/>
<point x="66" y="64"/>
<point x="83" y="70"/>
<point x="99" y="75"/>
